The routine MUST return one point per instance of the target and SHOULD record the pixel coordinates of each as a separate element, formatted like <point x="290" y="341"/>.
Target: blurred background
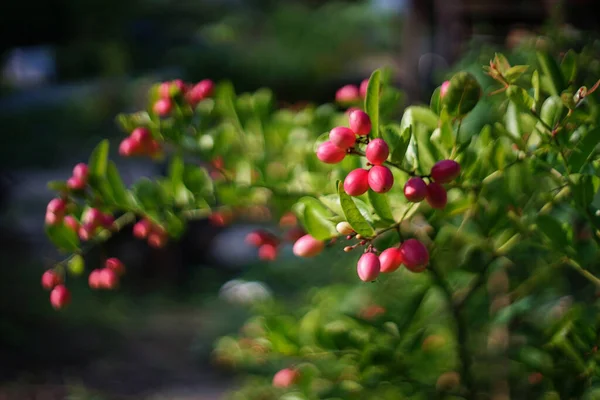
<point x="69" y="67"/>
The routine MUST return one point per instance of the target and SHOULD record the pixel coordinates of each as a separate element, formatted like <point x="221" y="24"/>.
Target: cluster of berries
<point x="139" y="143"/>
<point x="107" y="277"/>
<point x="154" y="234"/>
<point x="59" y="294"/>
<point x="91" y="220"/>
<point x="352" y="93"/>
<point x="416" y="190"/>
<point x="268" y="244"/>
<point x="193" y="94"/>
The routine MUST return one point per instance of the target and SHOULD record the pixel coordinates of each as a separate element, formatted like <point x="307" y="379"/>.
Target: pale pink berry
<point x="368" y="267"/>
<point x="415" y="256"/>
<point x="347" y="94"/>
<point x="81" y="171"/>
<point x="360" y="123"/>
<point x="52" y="218"/>
<point x="163" y="107"/>
<point x="342" y="137"/>
<point x="329" y="153"/>
<point x="56" y="206"/>
<point x="60" y="297"/>
<point x="377" y="151"/>
<point x="308" y="246"/>
<point x="94" y="279"/>
<point x="362" y="90"/>
<point x="445" y="171"/>
<point x="72" y="223"/>
<point x="285" y="378"/>
<point x="141" y="136"/>
<point x="108" y="278"/>
<point x="444" y="88"/>
<point x="436" y="195"/>
<point x="415" y="189"/>
<point x="50" y="279"/>
<point x="357" y="182"/>
<point x="76" y="183"/>
<point x="390" y="259"/>
<point x="381" y="179"/>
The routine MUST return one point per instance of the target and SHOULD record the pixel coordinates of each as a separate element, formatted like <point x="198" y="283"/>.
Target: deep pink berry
<point x="81" y="171"/>
<point x="415" y="256"/>
<point x="368" y="267"/>
<point x="60" y="297"/>
<point x="94" y="279"/>
<point x="357" y="182"/>
<point x="444" y="88"/>
<point x="342" y="137"/>
<point x="267" y="252"/>
<point x="377" y="151"/>
<point x="108" y="278"/>
<point x="436" y="195"/>
<point x="141" y="136"/>
<point x="75" y="183"/>
<point x="308" y="246"/>
<point x="415" y="189"/>
<point x="50" y="279"/>
<point x="329" y="153"/>
<point x="72" y="223"/>
<point x="56" y="206"/>
<point x="285" y="378"/>
<point x="164" y="90"/>
<point x="163" y="107"/>
<point x="360" y="123"/>
<point x="381" y="179"/>
<point x="390" y="259"/>
<point x="92" y="217"/>
<point x="445" y="171"/>
<point x="116" y="265"/>
<point x="142" y="228"/>
<point x="362" y="90"/>
<point x="347" y="94"/>
<point x="200" y="91"/>
<point x="130" y="147"/>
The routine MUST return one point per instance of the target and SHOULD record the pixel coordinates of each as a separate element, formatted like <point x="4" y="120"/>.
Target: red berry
<point x="56" y="206"/>
<point x="141" y="136"/>
<point x="267" y="252"/>
<point x="157" y="240"/>
<point x="415" y="256"/>
<point x="218" y="219"/>
<point x="288" y="219"/>
<point x="259" y="238"/>
<point x="72" y="223"/>
<point x="200" y="91"/>
<point x="330" y="153"/>
<point x="347" y="94"/>
<point x="415" y="189"/>
<point x="390" y="259"/>
<point x="445" y="171"/>
<point x="163" y="107"/>
<point x="81" y="171"/>
<point x="377" y="151"/>
<point x="60" y="297"/>
<point x="381" y="179"/>
<point x="285" y="378"/>
<point x="153" y="148"/>
<point x="294" y="234"/>
<point x="444" y="88"/>
<point x="142" y="228"/>
<point x="368" y="267"/>
<point x="308" y="246"/>
<point x="116" y="265"/>
<point x="108" y="278"/>
<point x="107" y="221"/>
<point x="130" y="147"/>
<point x="94" y="279"/>
<point x="362" y="90"/>
<point x="360" y="123"/>
<point x="75" y="183"/>
<point x="436" y="195"/>
<point x="50" y="279"/>
<point x="357" y="182"/>
<point x="342" y="137"/>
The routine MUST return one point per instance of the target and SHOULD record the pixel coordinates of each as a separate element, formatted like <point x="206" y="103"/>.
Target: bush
<point x="485" y="280"/>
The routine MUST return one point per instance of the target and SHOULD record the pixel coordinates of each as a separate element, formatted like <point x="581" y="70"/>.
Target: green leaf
<point x="99" y="161"/>
<point x="463" y="94"/>
<point x="501" y="63"/>
<point x="352" y="214"/>
<point x="535" y="83"/>
<point x="583" y="189"/>
<point x="514" y="73"/>
<point x="552" y="110"/>
<point x="551" y="70"/>
<point x="315" y="218"/>
<point x="584" y="149"/>
<point x="427" y="153"/>
<point x="381" y="205"/>
<point x="568" y="66"/>
<point x="519" y="97"/>
<point x="57" y="186"/>
<point x="372" y="101"/>
<point x="421" y="115"/>
<point x="398" y="141"/>
<point x="332" y="202"/>
<point x="176" y="168"/>
<point x="63" y="237"/>
<point x="435" y="104"/>
<point x="198" y="181"/>
<point x="550" y="227"/>
<point x="149" y="194"/>
<point x="76" y="265"/>
<point x="118" y="189"/>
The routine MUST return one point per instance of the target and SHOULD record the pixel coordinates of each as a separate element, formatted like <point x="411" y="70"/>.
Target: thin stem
<point x="583" y="272"/>
<point x="388" y="163"/>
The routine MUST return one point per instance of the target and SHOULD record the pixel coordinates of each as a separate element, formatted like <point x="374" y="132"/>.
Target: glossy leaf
<point x="519" y="97"/>
<point x="568" y="66"/>
<point x="514" y="73"/>
<point x="381" y="205"/>
<point x="118" y="189"/>
<point x="315" y="218"/>
<point x="372" y="101"/>
<point x="550" y="227"/>
<point x="551" y="112"/>
<point x="551" y="70"/>
<point x="398" y="141"/>
<point x="353" y="215"/>
<point x="535" y="83"/>
<point x="63" y="237"/>
<point x="98" y="162"/>
<point x="435" y="103"/>
<point x="584" y="149"/>
<point x="583" y="189"/>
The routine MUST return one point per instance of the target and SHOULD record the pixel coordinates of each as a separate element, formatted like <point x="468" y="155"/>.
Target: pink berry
<point x="116" y="265"/>
<point x="107" y="221"/>
<point x="50" y="279"/>
<point x="164" y="90"/>
<point x="390" y="259"/>
<point x="436" y="195"/>
<point x="129" y="147"/>
<point x="415" y="189"/>
<point x="142" y="228"/>
<point x="285" y="378"/>
<point x="351" y="110"/>
<point x="86" y="232"/>
<point x="56" y="206"/>
<point x="52" y="218"/>
<point x="360" y="123"/>
<point x="308" y="246"/>
<point x="72" y="223"/>
<point x="153" y="148"/>
<point x="60" y="297"/>
<point x="377" y="151"/>
<point x="163" y="107"/>
<point x="94" y="279"/>
<point x="342" y="137"/>
<point x="81" y="171"/>
<point x="381" y="179"/>
<point x="347" y="94"/>
<point x="259" y="238"/>
<point x="363" y="88"/>
<point x="445" y="171"/>
<point x="330" y="153"/>
<point x="267" y="252"/>
<point x="206" y="87"/>
<point x="357" y="182"/>
<point x="108" y="278"/>
<point x="444" y="88"/>
<point x="368" y="267"/>
<point x="92" y="217"/>
<point x="141" y="136"/>
<point x="75" y="183"/>
<point x="179" y="85"/>
<point x="157" y="240"/>
<point x="415" y="256"/>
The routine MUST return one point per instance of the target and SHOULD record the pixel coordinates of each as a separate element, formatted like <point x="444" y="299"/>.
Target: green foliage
<point x="508" y="297"/>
